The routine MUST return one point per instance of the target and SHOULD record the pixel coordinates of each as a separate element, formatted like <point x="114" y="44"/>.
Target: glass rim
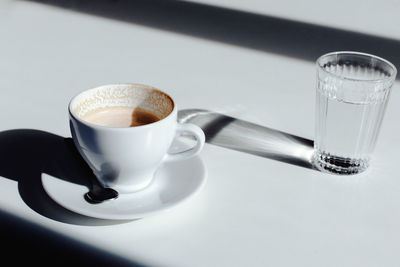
<point x="392" y="77"/>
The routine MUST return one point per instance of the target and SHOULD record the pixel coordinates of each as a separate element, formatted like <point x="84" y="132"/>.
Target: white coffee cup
<point x="126" y="158"/>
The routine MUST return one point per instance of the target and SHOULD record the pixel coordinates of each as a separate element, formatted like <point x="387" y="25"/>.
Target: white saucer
<point x="174" y="183"/>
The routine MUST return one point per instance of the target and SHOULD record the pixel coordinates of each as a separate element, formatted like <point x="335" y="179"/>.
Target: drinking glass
<point x="352" y="94"/>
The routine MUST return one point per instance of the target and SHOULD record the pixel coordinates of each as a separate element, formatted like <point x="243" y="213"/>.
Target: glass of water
<point x="352" y="94"/>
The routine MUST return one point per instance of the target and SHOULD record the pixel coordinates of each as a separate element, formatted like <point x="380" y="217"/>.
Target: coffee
<point x="121" y="116"/>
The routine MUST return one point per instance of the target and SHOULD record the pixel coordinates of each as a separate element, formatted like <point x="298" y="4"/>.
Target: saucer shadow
<point x="27" y="153"/>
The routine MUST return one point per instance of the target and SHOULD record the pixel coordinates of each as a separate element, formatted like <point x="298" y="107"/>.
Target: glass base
<point x="326" y="162"/>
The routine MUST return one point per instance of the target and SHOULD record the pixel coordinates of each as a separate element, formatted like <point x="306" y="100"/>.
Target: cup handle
<point x="197" y="133"/>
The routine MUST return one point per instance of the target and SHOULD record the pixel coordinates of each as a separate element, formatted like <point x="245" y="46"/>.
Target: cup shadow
<point x="27" y="154"/>
<point x="240" y="135"/>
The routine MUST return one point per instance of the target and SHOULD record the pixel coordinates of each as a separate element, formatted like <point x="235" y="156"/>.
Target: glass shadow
<point x="244" y="136"/>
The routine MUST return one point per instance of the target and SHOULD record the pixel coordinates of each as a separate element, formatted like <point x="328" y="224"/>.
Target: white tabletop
<point x="253" y="211"/>
<point x="370" y="17"/>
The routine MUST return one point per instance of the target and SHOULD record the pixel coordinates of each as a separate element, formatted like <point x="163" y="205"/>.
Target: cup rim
<point x="384" y="79"/>
<point x="92" y="125"/>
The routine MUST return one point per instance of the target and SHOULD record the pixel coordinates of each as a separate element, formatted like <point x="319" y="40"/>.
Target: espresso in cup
<point x="121" y="116"/>
<point x="124" y="131"/>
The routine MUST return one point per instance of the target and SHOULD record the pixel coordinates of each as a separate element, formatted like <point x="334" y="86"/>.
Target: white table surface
<point x="253" y="211"/>
<point x="370" y="17"/>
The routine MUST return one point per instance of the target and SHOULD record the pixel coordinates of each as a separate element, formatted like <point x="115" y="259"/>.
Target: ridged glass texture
<point x="352" y="94"/>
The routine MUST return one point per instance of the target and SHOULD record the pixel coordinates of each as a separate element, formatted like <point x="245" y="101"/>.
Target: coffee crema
<point x="121" y="117"/>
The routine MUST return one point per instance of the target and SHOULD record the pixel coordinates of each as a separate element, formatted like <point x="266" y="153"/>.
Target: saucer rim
<point x="162" y="208"/>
